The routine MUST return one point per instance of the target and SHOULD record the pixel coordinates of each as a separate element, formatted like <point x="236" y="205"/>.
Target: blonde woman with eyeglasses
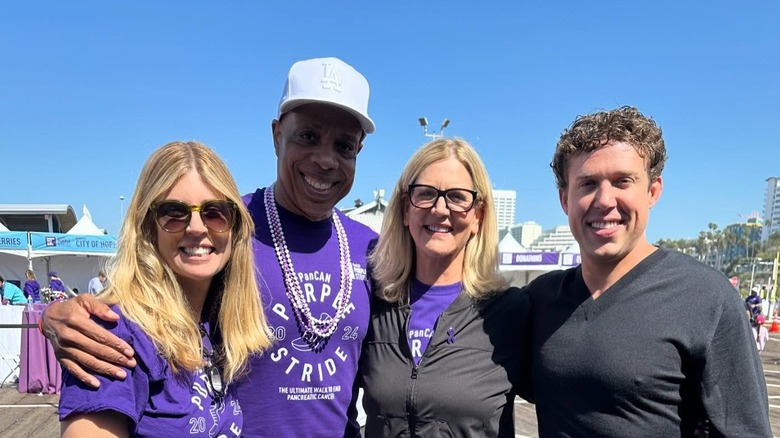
<point x="184" y="288"/>
<point x="448" y="347"/>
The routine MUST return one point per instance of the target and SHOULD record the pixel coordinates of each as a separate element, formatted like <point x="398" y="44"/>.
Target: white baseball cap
<point x="331" y="81"/>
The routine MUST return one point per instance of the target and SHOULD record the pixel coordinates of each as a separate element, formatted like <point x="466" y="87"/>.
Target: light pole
<point x="433" y="135"/>
<point x="753" y="273"/>
<point x="121" y="210"/>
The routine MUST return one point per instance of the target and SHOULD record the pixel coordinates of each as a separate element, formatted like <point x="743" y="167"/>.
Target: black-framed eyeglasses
<point x="211" y="367"/>
<point x="457" y="200"/>
<point x="175" y="216"/>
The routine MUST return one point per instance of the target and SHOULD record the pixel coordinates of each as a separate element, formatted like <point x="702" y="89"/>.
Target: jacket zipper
<point x="410" y="395"/>
<point x="415" y="369"/>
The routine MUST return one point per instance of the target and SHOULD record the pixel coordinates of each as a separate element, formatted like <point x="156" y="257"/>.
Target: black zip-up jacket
<point x="464" y="385"/>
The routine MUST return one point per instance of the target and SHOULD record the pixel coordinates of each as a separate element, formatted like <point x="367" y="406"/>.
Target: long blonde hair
<point x="393" y="259"/>
<point x="146" y="288"/>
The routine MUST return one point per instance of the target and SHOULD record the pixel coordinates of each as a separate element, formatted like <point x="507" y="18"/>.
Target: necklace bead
<point x="315" y="331"/>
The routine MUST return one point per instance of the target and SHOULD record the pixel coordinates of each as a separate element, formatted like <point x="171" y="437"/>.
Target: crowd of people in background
<point x="32" y="291"/>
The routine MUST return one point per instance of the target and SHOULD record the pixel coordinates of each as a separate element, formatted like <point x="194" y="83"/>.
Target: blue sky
<point x="89" y="89"/>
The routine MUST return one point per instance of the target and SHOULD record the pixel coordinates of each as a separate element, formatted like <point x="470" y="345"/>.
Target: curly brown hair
<point x="590" y="132"/>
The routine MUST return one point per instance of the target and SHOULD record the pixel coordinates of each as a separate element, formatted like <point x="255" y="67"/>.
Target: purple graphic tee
<point x="156" y="402"/>
<point x="428" y="302"/>
<point x="291" y="390"/>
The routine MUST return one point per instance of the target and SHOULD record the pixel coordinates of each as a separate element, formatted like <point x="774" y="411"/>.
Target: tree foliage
<point x="735" y="250"/>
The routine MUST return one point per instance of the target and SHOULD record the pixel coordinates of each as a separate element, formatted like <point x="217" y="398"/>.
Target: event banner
<point x="72" y="243"/>
<point x="16" y="240"/>
<point x="571" y="259"/>
<point x="530" y="258"/>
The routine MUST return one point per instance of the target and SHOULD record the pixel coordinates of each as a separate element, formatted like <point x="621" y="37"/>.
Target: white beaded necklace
<point x="315" y="331"/>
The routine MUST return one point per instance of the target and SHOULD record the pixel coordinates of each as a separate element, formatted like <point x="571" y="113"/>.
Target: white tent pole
<point x="29" y="252"/>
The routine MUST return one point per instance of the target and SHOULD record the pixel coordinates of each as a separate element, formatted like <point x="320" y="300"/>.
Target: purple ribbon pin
<point x="451" y="336"/>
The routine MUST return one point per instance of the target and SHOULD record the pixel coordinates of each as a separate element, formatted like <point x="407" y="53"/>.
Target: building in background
<point x="371" y="213"/>
<point x="557" y="239"/>
<point x="771" y="208"/>
<point x="741" y="239"/>
<point x="504" y="202"/>
<point x="526" y="233"/>
<point x="52" y="218"/>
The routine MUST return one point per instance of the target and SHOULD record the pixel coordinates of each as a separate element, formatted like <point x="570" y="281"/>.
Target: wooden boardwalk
<point x="23" y="415"/>
<point x="32" y="415"/>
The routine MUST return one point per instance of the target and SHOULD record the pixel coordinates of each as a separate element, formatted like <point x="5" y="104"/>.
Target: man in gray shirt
<point x="637" y="340"/>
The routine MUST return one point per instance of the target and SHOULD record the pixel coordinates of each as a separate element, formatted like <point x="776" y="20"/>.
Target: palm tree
<point x="770" y="247"/>
<point x="714" y="236"/>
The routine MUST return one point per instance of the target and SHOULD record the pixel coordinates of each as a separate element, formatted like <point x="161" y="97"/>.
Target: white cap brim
<point x="365" y="122"/>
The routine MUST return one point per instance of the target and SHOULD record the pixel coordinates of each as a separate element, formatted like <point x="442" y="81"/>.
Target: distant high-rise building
<point x="504" y="202"/>
<point x="526" y="233"/>
<point x="771" y="208"/>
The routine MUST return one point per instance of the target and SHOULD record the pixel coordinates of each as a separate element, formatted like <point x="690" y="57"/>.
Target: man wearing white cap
<point x="312" y="261"/>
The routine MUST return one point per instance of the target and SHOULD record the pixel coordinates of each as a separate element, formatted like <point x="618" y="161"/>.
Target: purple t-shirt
<point x="56" y="284"/>
<point x="156" y="402"/>
<point x="291" y="390"/>
<point x="427" y="302"/>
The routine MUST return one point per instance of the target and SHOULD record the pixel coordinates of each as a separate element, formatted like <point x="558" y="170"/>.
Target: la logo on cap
<point x="331" y="79"/>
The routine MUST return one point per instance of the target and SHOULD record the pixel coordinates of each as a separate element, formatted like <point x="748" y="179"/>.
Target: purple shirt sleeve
<point x="126" y="397"/>
<point x="156" y="401"/>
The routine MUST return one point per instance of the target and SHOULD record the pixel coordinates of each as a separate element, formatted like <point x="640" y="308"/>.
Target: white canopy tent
<point x="85" y="226"/>
<point x="521" y="265"/>
<point x="76" y="256"/>
<point x="510" y="244"/>
<point x="14" y="255"/>
<point x="570" y="257"/>
<point x="75" y="271"/>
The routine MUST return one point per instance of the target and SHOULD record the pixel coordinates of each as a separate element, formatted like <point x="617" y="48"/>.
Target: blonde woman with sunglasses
<point x="184" y="287"/>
